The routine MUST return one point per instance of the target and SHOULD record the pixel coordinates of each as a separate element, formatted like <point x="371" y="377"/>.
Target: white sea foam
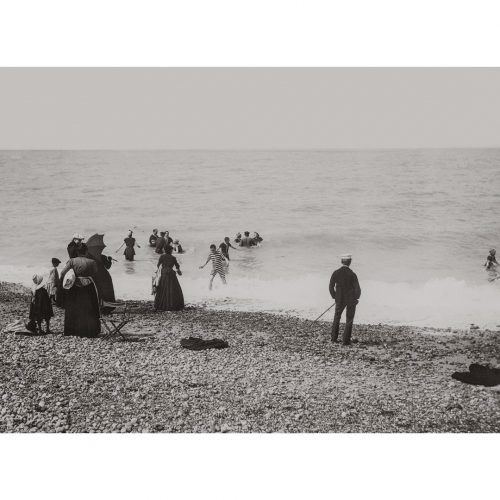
<point x="442" y="303"/>
<point x="419" y="223"/>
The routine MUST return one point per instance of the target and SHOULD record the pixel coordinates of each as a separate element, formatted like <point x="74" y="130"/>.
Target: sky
<point x="248" y="108"/>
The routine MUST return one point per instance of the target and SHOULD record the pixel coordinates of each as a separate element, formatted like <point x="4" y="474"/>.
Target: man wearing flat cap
<point x="345" y="290"/>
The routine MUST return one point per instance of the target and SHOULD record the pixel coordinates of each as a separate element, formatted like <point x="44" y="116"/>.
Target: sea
<point x="418" y="223"/>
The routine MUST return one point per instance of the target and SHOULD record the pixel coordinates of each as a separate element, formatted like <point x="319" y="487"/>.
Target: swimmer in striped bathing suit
<point x="218" y="265"/>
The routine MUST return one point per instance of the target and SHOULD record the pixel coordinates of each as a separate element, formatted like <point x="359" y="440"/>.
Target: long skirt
<point x="81" y="311"/>
<point x="169" y="295"/>
<point x="104" y="284"/>
<point x="41" y="306"/>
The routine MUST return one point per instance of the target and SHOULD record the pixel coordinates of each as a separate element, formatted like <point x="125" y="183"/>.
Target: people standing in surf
<point x="177" y="246"/>
<point x="491" y="265"/>
<point x="257" y="238"/>
<point x="153" y="238"/>
<point x="345" y="290"/>
<point x="129" y="243"/>
<point x="218" y="265"/>
<point x="238" y="238"/>
<point x="225" y="246"/>
<point x="161" y="243"/>
<point x="168" y="296"/>
<point x="40" y="307"/>
<point x="246" y="241"/>
<point x="168" y="239"/>
<point x="81" y="301"/>
<point x="53" y="282"/>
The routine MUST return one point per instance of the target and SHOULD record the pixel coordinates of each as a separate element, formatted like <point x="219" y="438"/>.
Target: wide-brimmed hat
<point x="176" y="242"/>
<point x="78" y="236"/>
<point x="346" y="256"/>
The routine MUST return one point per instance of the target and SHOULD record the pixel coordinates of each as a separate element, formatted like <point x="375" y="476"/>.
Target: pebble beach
<point x="280" y="374"/>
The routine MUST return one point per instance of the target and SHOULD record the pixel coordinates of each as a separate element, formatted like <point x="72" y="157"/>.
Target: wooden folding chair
<point x="114" y="317"/>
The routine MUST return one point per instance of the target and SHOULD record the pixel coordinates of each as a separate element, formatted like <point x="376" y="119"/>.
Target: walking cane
<point x="323" y="313"/>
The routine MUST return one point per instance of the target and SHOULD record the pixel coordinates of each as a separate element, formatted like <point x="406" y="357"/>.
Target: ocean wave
<point x="443" y="303"/>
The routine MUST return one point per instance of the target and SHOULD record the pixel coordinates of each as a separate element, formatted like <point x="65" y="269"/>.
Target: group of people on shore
<point x="85" y="285"/>
<point x="83" y="288"/>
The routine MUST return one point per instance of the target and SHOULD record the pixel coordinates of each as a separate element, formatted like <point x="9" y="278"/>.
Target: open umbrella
<point x="96" y="245"/>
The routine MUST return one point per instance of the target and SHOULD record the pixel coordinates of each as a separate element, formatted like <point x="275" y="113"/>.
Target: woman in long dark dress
<point x="81" y="301"/>
<point x="103" y="279"/>
<point x="169" y="296"/>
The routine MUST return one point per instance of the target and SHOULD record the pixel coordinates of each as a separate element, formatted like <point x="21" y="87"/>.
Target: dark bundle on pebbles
<point x="280" y="374"/>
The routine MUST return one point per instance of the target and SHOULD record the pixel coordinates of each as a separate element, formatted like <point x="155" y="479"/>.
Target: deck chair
<point x="114" y="317"/>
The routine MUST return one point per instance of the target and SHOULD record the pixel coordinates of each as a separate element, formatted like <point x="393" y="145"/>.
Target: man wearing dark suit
<point x="345" y="290"/>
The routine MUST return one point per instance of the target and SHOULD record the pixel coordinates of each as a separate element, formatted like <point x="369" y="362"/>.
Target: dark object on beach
<point x="479" y="375"/>
<point x="197" y="344"/>
<point x="345" y="290"/>
<point x="169" y="295"/>
<point x="81" y="301"/>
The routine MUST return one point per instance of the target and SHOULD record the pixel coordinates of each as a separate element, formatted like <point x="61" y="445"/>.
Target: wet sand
<point x="279" y="374"/>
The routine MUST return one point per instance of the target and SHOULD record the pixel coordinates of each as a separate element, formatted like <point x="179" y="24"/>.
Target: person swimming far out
<point x="491" y="265"/>
<point x="129" y="243"/>
<point x="218" y="265"/>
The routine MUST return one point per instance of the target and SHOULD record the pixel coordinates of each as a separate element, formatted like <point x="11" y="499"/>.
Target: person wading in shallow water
<point x="153" y="238"/>
<point x="218" y="267"/>
<point x="491" y="265"/>
<point x="345" y="290"/>
<point x="225" y="246"/>
<point x="129" y="243"/>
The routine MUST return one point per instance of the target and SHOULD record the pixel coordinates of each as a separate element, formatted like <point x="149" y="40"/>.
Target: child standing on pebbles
<point x="40" y="307"/>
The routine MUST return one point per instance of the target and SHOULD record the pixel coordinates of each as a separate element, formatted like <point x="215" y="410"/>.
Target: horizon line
<point x="382" y="148"/>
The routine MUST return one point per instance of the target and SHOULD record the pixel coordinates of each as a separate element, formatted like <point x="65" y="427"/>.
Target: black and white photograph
<point x="216" y="252"/>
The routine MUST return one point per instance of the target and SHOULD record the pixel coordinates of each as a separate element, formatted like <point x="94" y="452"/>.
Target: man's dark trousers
<point x="349" y="319"/>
